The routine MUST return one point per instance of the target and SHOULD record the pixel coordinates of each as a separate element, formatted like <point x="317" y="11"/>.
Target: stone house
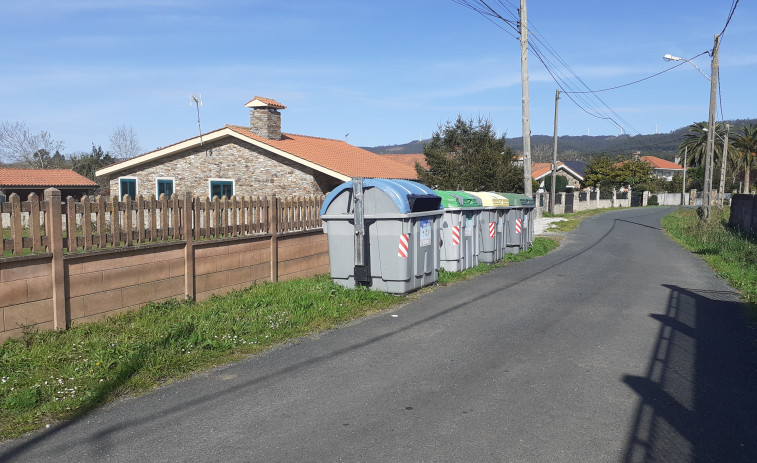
<point x="254" y="160"/>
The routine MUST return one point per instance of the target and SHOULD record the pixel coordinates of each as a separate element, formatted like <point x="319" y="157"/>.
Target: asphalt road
<point x="619" y="346"/>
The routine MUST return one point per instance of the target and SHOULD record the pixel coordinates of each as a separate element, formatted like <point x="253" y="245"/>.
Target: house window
<point x="127" y="186"/>
<point x="165" y="186"/>
<point x="221" y="187"/>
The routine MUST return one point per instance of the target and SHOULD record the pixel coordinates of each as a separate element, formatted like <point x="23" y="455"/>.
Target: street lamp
<point x="669" y="57"/>
<point x="707" y="193"/>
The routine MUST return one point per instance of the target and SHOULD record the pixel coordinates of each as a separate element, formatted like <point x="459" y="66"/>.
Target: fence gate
<point x="569" y="198"/>
<point x="637" y="198"/>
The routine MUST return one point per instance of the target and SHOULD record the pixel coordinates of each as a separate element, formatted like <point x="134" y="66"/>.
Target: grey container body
<point x="460" y="254"/>
<point x="392" y="269"/>
<point x="491" y="228"/>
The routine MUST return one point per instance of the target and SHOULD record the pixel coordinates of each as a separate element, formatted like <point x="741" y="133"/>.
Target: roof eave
<point x="212" y="136"/>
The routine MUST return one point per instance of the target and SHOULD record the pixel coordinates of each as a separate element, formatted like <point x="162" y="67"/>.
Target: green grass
<point x="541" y="247"/>
<point x="50" y="376"/>
<point x="731" y="254"/>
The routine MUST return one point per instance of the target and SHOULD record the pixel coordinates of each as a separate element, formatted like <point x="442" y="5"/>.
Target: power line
<point x="646" y="78"/>
<point x="563" y="80"/>
<point x="730" y="15"/>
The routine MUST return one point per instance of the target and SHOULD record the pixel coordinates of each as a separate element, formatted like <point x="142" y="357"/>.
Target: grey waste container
<point x="400" y="224"/>
<point x="491" y="225"/>
<point x="520" y="224"/>
<point x="459" y="230"/>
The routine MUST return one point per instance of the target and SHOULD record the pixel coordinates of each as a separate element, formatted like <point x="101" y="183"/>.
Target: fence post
<point x="273" y="229"/>
<point x="54" y="232"/>
<point x="189" y="255"/>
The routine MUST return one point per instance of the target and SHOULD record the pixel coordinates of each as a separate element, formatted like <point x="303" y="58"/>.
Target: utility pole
<point x="554" y="160"/>
<point x="707" y="193"/>
<point x="722" y="167"/>
<point x="524" y="85"/>
<point x="683" y="188"/>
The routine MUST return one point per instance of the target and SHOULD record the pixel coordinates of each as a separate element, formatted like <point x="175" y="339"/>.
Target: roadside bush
<point x="653" y="201"/>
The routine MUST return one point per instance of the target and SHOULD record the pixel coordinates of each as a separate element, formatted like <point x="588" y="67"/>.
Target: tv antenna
<point x="197" y="101"/>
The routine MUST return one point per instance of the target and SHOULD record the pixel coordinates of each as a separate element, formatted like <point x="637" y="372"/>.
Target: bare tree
<point x="124" y="142"/>
<point x="541" y="153"/>
<point x="20" y="144"/>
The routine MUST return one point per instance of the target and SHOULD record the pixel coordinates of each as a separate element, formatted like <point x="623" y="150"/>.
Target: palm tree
<point x="695" y="144"/>
<point x="746" y="144"/>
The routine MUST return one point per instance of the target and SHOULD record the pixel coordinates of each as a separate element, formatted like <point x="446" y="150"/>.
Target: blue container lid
<point x="408" y="196"/>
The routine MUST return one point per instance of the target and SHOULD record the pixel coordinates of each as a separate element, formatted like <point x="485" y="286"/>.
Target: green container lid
<point x="454" y="199"/>
<point x="517" y="199"/>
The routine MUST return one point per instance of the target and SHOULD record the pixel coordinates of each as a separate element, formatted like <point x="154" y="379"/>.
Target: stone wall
<point x="255" y="172"/>
<point x="266" y="122"/>
<point x="744" y="213"/>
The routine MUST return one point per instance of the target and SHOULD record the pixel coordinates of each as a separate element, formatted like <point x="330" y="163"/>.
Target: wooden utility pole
<point x="723" y="165"/>
<point x="524" y="84"/>
<point x="683" y="188"/>
<point x="554" y="159"/>
<point x="707" y="193"/>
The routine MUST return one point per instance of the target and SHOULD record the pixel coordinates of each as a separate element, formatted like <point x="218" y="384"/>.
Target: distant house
<point x="24" y="182"/>
<point x="254" y="160"/>
<point x="571" y="170"/>
<point x="663" y="168"/>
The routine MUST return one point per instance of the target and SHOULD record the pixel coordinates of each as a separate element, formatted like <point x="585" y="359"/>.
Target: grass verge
<point x="731" y="254"/>
<point x="541" y="247"/>
<point x="51" y="376"/>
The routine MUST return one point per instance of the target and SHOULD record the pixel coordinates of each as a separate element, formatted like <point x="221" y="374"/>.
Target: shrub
<point x="653" y="201"/>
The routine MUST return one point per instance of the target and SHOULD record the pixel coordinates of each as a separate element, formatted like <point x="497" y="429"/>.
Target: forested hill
<point x="583" y="147"/>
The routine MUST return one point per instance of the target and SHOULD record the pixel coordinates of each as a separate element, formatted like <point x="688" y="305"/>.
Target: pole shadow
<point x="697" y="401"/>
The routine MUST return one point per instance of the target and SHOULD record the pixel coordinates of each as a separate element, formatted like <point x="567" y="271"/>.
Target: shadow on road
<point x="698" y="400"/>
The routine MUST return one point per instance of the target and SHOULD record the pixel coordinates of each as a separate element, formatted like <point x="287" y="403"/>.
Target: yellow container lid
<point x="489" y="199"/>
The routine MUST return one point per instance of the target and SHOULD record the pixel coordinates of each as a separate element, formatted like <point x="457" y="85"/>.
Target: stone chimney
<point x="265" y="118"/>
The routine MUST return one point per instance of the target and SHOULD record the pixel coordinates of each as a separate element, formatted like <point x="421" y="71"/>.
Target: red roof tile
<point x="409" y="159"/>
<point x="268" y="101"/>
<point x="540" y="168"/>
<point x="43" y="177"/>
<point x="335" y="155"/>
<point x="658" y="163"/>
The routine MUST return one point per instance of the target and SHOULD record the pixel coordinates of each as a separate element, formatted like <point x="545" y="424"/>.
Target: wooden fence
<point x="100" y="222"/>
<point x="73" y="262"/>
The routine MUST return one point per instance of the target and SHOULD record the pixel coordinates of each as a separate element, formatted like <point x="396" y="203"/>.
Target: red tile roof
<point x="409" y="159"/>
<point x="540" y="168"/>
<point x="658" y="163"/>
<point x="335" y="155"/>
<point x="43" y="178"/>
<point x="268" y="101"/>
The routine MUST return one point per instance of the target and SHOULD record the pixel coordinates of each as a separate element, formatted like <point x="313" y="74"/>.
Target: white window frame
<point x="173" y="184"/>
<point x="233" y="186"/>
<point x="136" y="186"/>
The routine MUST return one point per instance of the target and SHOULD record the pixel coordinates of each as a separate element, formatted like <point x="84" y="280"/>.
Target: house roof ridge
<point x="289" y="134"/>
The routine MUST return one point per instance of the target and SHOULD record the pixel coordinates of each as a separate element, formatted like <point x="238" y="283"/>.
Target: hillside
<point x="663" y="145"/>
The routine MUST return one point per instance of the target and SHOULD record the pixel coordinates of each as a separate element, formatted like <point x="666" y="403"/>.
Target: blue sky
<point x="384" y="72"/>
